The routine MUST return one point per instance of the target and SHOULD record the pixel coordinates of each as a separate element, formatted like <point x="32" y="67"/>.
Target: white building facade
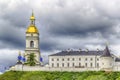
<point x="85" y="60"/>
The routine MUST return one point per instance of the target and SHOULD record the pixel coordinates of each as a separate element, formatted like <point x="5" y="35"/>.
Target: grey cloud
<point x="59" y="19"/>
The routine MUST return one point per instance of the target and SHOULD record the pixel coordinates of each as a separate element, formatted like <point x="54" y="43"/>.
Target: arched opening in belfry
<point x="31" y="43"/>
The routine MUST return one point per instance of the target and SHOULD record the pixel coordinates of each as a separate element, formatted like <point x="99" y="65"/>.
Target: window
<point x="91" y="59"/>
<point x="91" y="64"/>
<point x="97" y="64"/>
<point x="62" y="59"/>
<point x="86" y="59"/>
<point x="79" y="64"/>
<point x="68" y="64"/>
<point x="68" y="59"/>
<point x="52" y="64"/>
<point x="52" y="59"/>
<point x="110" y="64"/>
<point x="97" y="59"/>
<point x="57" y="64"/>
<point x="32" y="44"/>
<point x="62" y="64"/>
<point x="85" y="64"/>
<point x="102" y="63"/>
<point x="79" y="59"/>
<point x="73" y="59"/>
<point x="73" y="65"/>
<point x="57" y="59"/>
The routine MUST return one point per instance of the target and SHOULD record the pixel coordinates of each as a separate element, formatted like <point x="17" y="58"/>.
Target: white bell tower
<point x="32" y="41"/>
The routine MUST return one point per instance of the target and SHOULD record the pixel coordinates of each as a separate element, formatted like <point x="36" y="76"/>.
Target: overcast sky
<point x="62" y="24"/>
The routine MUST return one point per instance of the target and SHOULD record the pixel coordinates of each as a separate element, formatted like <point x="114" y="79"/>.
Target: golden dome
<point x="32" y="29"/>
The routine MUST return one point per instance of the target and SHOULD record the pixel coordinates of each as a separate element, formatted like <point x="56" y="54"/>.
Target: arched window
<point x="31" y="43"/>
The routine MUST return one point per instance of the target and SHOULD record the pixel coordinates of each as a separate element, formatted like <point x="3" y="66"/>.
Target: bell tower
<point x="32" y="41"/>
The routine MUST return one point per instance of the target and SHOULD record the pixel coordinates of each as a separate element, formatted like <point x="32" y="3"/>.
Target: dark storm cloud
<point x="56" y="20"/>
<point x="70" y="23"/>
<point x="16" y="16"/>
<point x="78" y="30"/>
<point x="13" y="24"/>
<point x="8" y="36"/>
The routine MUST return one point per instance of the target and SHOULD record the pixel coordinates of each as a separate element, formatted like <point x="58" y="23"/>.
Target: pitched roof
<point x="73" y="53"/>
<point x="106" y="52"/>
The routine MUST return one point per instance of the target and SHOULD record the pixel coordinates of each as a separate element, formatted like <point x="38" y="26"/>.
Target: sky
<point x="62" y="24"/>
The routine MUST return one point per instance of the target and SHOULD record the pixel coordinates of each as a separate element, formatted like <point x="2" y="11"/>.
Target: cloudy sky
<point x="62" y="24"/>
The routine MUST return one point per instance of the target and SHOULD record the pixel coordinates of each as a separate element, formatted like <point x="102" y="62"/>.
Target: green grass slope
<point x="38" y="75"/>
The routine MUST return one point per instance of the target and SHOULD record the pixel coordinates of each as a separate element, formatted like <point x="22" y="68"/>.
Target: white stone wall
<point x="106" y="62"/>
<point x="18" y="67"/>
<point x="39" y="68"/>
<point x="116" y="66"/>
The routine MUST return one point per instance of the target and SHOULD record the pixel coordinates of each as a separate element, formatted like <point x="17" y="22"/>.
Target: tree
<point x="31" y="59"/>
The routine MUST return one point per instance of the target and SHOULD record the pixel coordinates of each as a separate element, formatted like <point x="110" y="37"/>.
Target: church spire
<point x="32" y="28"/>
<point x="106" y="52"/>
<point x="32" y="18"/>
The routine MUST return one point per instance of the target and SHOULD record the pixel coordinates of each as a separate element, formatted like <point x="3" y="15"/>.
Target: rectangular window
<point x="79" y="59"/>
<point x="79" y="64"/>
<point x="97" y="64"/>
<point x="97" y="59"/>
<point x="62" y="64"/>
<point x="68" y="59"/>
<point x="85" y="64"/>
<point x="57" y="64"/>
<point x="73" y="65"/>
<point x="102" y="63"/>
<point x="57" y="59"/>
<point x="62" y="59"/>
<point x="52" y="59"/>
<point x="86" y="59"/>
<point x="73" y="59"/>
<point x="68" y="64"/>
<point x="52" y="64"/>
<point x="91" y="64"/>
<point x="91" y="59"/>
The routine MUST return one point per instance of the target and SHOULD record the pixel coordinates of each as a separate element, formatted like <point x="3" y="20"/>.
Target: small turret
<point x="106" y="60"/>
<point x="19" y="58"/>
<point x="106" y="52"/>
<point x="19" y="64"/>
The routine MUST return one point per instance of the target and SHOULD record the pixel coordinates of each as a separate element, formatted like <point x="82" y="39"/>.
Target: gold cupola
<point x="32" y="28"/>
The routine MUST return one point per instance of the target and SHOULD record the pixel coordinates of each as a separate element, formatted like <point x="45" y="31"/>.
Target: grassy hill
<point x="38" y="75"/>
